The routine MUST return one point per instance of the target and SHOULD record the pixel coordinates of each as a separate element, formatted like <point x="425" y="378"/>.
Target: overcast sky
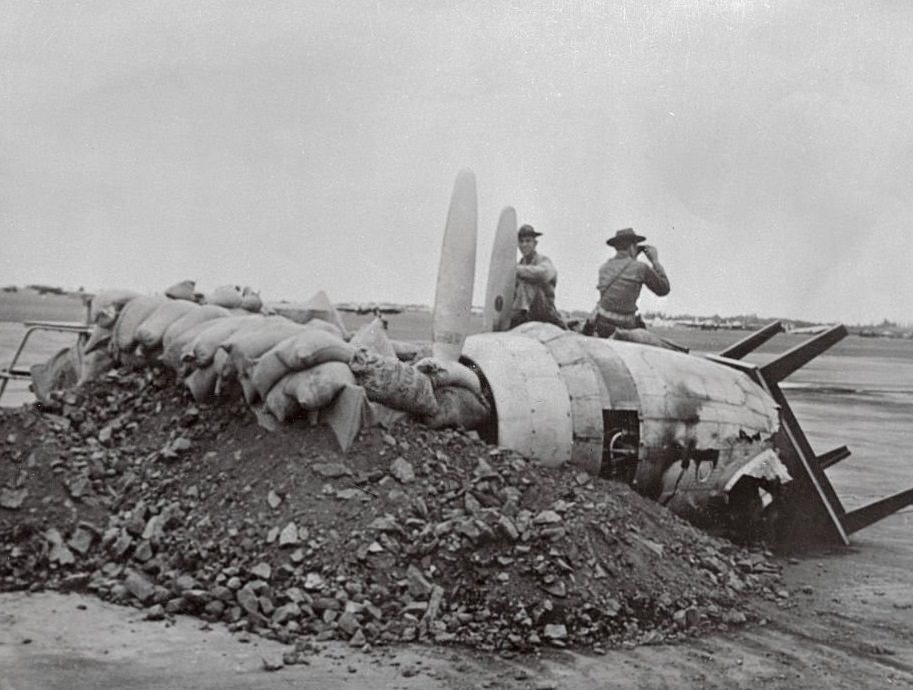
<point x="765" y="148"/>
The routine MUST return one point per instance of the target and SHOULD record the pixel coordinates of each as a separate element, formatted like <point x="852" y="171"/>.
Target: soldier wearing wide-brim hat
<point x="625" y="237"/>
<point x="620" y="282"/>
<point x="534" y="290"/>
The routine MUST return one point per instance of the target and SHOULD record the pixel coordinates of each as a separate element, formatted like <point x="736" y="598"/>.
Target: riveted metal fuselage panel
<point x="550" y="388"/>
<point x="688" y="402"/>
<point x="531" y="400"/>
<point x="585" y="388"/>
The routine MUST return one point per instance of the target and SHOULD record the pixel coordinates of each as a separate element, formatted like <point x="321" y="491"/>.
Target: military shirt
<point x="535" y="274"/>
<point x="620" y="281"/>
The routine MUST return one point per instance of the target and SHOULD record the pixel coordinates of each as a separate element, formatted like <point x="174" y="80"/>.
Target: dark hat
<point x="527" y="231"/>
<point x="625" y="236"/>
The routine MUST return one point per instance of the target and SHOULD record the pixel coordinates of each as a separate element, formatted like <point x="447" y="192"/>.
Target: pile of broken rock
<point x="129" y="490"/>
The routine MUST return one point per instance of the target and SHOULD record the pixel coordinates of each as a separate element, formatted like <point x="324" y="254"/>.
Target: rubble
<point x="413" y="535"/>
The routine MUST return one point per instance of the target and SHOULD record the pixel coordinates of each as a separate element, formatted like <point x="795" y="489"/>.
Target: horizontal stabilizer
<point x="799" y="356"/>
<point x="753" y="341"/>
<point x="872" y="513"/>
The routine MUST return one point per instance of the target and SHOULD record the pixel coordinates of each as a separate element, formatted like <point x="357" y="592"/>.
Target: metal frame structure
<point x="11" y="373"/>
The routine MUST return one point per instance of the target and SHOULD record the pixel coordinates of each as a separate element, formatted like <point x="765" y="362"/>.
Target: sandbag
<point x="312" y="347"/>
<point x="184" y="290"/>
<point x="255" y="338"/>
<point x="59" y="372"/>
<point x="444" y="373"/>
<point x="202" y="383"/>
<point x="152" y="330"/>
<point x="250" y="300"/>
<point x="227" y="296"/>
<point x="202" y="348"/>
<point x="373" y="338"/>
<point x="301" y="351"/>
<point x="175" y="347"/>
<point x="94" y="365"/>
<point x="282" y="405"/>
<point x="107" y="304"/>
<point x="225" y="387"/>
<point x="131" y="318"/>
<point x="262" y="376"/>
<point x="459" y="408"/>
<point x="315" y="388"/>
<point x="395" y="384"/>
<point x="207" y="312"/>
<point x="246" y="345"/>
<point x="98" y="339"/>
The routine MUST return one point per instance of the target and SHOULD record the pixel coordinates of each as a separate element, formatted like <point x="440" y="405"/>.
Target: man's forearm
<point x="658" y="282"/>
<point x="534" y="274"/>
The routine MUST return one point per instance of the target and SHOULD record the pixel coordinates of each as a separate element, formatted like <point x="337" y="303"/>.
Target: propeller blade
<point x="502" y="274"/>
<point x="453" y="297"/>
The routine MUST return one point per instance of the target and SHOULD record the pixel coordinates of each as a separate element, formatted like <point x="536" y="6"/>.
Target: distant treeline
<point x="43" y="289"/>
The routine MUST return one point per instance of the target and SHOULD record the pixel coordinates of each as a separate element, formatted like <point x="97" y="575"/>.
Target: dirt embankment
<point x="132" y="492"/>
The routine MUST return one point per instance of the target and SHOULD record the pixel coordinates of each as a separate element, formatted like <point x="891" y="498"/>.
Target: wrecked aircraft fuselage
<point x="680" y="429"/>
<point x="709" y="436"/>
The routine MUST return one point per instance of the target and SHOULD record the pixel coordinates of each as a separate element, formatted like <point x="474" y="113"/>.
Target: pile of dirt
<point x="131" y="491"/>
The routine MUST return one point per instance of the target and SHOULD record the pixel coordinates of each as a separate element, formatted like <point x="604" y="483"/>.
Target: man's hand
<point x="650" y="252"/>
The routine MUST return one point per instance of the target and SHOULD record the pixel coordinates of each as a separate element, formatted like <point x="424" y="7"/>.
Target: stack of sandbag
<point x="243" y="347"/>
<point x="203" y="344"/>
<point x="106" y="305"/>
<point x="149" y="327"/>
<point x="283" y="368"/>
<point x="205" y="366"/>
<point x="104" y="310"/>
<point x="303" y="372"/>
<point x="150" y="332"/>
<point x="145" y="325"/>
<point x="183" y="329"/>
<point x="458" y="393"/>
<point x="124" y="344"/>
